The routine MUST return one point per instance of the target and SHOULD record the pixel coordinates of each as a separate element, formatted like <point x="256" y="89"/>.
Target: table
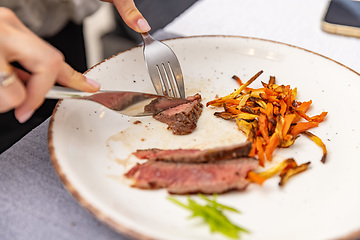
<point x="33" y="201"/>
<point x="297" y="23"/>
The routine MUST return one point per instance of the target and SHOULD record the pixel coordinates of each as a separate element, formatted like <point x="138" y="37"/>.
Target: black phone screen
<point x="343" y="12"/>
<point x="342" y="17"/>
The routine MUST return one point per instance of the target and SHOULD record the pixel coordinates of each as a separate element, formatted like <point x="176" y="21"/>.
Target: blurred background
<point x="106" y="34"/>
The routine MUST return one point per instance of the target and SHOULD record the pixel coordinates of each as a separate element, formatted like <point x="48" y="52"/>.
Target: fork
<point x="163" y="67"/>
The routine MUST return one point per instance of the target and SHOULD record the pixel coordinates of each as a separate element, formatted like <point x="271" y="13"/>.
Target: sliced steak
<point x="195" y="155"/>
<point x="187" y="178"/>
<point x="161" y="104"/>
<point x="183" y="118"/>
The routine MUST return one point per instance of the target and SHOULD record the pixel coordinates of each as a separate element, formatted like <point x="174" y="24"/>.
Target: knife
<point x="133" y="104"/>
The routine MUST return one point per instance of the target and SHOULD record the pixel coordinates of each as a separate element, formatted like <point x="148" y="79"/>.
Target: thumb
<point x="131" y="15"/>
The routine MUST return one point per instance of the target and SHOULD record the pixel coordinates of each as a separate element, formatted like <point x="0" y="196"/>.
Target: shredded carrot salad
<point x="271" y="118"/>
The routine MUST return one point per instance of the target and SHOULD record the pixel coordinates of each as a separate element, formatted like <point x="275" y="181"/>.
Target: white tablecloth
<point x="293" y="22"/>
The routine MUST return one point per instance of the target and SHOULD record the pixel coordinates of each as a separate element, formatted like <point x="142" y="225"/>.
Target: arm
<point x="25" y="91"/>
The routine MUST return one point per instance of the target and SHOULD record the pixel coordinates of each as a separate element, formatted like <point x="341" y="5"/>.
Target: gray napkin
<point x="33" y="202"/>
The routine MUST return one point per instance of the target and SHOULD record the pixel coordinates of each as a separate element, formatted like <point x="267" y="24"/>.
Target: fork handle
<point x="147" y="38"/>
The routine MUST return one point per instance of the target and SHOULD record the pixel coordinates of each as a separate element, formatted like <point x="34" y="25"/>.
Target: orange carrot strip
<point x="262" y="110"/>
<point x="242" y="87"/>
<point x="270" y="148"/>
<point x="293" y="171"/>
<point x="232" y="110"/>
<point x="217" y="102"/>
<point x="278" y="168"/>
<point x="253" y="177"/>
<point x="269" y="110"/>
<point x="276" y="110"/>
<point x="288" y="98"/>
<point x="253" y="150"/>
<point x="269" y="97"/>
<point x="272" y="80"/>
<point x="260" y="151"/>
<point x="291" y="163"/>
<point x="263" y="124"/>
<point x="301" y="127"/>
<point x="303" y="115"/>
<point x="288" y="119"/>
<point x="287" y="90"/>
<point x="293" y="94"/>
<point x="270" y="92"/>
<point x="318" y="142"/>
<point x="280" y="89"/>
<point x="233" y="101"/>
<point x="246" y="116"/>
<point x="283" y="107"/>
<point x="237" y="79"/>
<point x="318" y="118"/>
<point x="304" y="106"/>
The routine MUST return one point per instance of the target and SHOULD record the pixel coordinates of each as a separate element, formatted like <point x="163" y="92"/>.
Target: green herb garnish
<point x="212" y="214"/>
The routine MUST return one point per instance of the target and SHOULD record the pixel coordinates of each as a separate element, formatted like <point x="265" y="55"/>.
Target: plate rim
<point x="97" y="213"/>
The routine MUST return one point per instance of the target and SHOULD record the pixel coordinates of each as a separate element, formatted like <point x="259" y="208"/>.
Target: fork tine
<point x="165" y="80"/>
<point x="172" y="79"/>
<point x="162" y="79"/>
<point x="156" y="79"/>
<point x="178" y="81"/>
<point x="169" y="80"/>
<point x="164" y="67"/>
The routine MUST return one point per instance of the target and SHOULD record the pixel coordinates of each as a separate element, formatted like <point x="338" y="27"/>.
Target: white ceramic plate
<point x="91" y="146"/>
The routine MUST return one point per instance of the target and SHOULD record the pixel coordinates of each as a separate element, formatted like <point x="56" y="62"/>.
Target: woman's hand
<point x="25" y="91"/>
<point x="131" y="15"/>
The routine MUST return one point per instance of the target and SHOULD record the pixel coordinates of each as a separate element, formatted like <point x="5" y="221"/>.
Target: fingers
<point x="12" y="91"/>
<point x="38" y="57"/>
<point x="70" y="78"/>
<point x="131" y="15"/>
<point x="37" y="86"/>
<point x="67" y="77"/>
<point x="45" y="65"/>
<point x="27" y="100"/>
<point x="39" y="83"/>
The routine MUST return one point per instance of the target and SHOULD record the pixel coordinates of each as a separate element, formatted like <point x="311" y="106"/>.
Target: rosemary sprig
<point x="212" y="214"/>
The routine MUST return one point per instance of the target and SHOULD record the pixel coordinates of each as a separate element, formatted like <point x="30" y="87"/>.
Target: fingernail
<point x="93" y="83"/>
<point x="25" y="116"/>
<point x="143" y="25"/>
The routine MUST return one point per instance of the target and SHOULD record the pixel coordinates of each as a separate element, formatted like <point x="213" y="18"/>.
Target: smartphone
<point x="342" y="17"/>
